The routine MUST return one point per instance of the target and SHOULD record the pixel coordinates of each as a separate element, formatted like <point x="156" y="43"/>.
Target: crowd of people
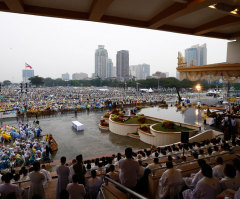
<point x="83" y="179"/>
<point x="61" y="99"/>
<point x="24" y="144"/>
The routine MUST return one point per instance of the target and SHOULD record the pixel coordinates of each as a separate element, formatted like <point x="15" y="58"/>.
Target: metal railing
<point x="128" y="191"/>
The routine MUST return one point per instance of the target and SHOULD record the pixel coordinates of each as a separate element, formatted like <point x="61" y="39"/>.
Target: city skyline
<point x="55" y="46"/>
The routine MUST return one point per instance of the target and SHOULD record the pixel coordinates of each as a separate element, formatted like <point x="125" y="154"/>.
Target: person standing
<point x="36" y="185"/>
<point x="129" y="170"/>
<point x="75" y="190"/>
<point x="63" y="173"/>
<point x="8" y="188"/>
<point x="47" y="175"/>
<point x="79" y="169"/>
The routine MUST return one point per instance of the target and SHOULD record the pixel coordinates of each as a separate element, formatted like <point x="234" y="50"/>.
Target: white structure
<point x="26" y="74"/>
<point x="79" y="76"/>
<point x="140" y="71"/>
<point x="77" y="125"/>
<point x="101" y="62"/>
<point x="65" y="77"/>
<point x="197" y="55"/>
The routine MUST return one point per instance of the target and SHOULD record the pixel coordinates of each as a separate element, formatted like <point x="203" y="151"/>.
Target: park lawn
<point x="134" y="120"/>
<point x="158" y="127"/>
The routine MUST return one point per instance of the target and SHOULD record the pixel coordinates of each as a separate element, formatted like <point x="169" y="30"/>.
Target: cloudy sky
<point x="54" y="46"/>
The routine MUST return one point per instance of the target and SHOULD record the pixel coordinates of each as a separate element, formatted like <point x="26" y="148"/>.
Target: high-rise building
<point x="26" y="74"/>
<point x="140" y="71"/>
<point x="114" y="71"/>
<point x="65" y="77"/>
<point x="109" y="68"/>
<point x="158" y="75"/>
<point x="79" y="76"/>
<point x="123" y="65"/>
<point x="101" y="62"/>
<point x="196" y="55"/>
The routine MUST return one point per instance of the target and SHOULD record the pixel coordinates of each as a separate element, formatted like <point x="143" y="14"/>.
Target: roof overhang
<point x="209" y="18"/>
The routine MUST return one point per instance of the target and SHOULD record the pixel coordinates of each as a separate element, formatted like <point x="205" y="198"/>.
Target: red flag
<point x="28" y="66"/>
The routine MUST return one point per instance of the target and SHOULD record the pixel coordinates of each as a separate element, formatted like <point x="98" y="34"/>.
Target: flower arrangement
<point x="115" y="111"/>
<point x="168" y="125"/>
<point x="114" y="117"/>
<point x="144" y="127"/>
<point x="104" y="123"/>
<point x="117" y="118"/>
<point x="107" y="114"/>
<point x="142" y="119"/>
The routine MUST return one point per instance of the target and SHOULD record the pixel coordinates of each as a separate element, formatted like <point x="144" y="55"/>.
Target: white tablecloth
<point x="77" y="125"/>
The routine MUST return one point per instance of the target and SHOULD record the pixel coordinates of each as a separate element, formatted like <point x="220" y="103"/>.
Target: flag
<point x="28" y="66"/>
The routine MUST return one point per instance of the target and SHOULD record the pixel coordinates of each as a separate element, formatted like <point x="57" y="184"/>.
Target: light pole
<point x="137" y="85"/>
<point x="198" y="87"/>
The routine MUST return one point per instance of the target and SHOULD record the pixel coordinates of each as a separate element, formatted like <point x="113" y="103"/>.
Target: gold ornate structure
<point x="213" y="72"/>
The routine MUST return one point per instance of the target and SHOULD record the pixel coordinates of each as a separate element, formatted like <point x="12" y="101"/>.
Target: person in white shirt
<point x="168" y="179"/>
<point x="219" y="168"/>
<point x="207" y="188"/>
<point x="192" y="181"/>
<point x="112" y="174"/>
<point x="237" y="194"/>
<point x="71" y="170"/>
<point x="93" y="185"/>
<point x="129" y="170"/>
<point x="47" y="175"/>
<point x="37" y="178"/>
<point x="8" y="188"/>
<point x="154" y="165"/>
<point x="229" y="181"/>
<point x="75" y="190"/>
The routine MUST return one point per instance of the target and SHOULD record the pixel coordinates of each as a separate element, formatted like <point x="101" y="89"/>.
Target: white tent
<point x="150" y="90"/>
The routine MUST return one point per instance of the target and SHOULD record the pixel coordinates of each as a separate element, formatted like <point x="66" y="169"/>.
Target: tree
<point x="36" y="80"/>
<point x="6" y="82"/>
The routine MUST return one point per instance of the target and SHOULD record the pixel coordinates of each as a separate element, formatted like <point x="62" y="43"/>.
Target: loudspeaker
<point x="184" y="136"/>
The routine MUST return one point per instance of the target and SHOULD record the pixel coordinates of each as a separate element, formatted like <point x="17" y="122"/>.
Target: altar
<point x="77" y="125"/>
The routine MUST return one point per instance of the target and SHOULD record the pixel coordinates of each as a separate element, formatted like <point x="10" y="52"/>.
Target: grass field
<point x="158" y="127"/>
<point x="134" y="120"/>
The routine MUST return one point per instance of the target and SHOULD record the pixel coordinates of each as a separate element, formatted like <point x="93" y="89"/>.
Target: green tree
<point x="36" y="80"/>
<point x="6" y="82"/>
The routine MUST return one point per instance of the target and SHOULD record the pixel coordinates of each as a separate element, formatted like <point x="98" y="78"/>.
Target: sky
<point x="53" y="46"/>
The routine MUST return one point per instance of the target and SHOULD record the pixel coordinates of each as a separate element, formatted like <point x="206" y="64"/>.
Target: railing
<point x="24" y="181"/>
<point x="125" y="189"/>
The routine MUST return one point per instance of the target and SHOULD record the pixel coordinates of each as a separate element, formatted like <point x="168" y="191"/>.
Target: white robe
<point x="63" y="173"/>
<point x="8" y="188"/>
<point x="76" y="191"/>
<point x="206" y="188"/>
<point x="93" y="186"/>
<point x="36" y="185"/>
<point x="47" y="179"/>
<point x="169" y="177"/>
<point x="230" y="183"/>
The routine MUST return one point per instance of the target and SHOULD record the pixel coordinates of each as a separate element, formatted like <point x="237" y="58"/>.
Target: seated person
<point x="93" y="185"/>
<point x="207" y="188"/>
<point x="112" y="174"/>
<point x="155" y="164"/>
<point x="169" y="178"/>
<point x="192" y="181"/>
<point x="229" y="181"/>
<point x="218" y="169"/>
<point x="75" y="190"/>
